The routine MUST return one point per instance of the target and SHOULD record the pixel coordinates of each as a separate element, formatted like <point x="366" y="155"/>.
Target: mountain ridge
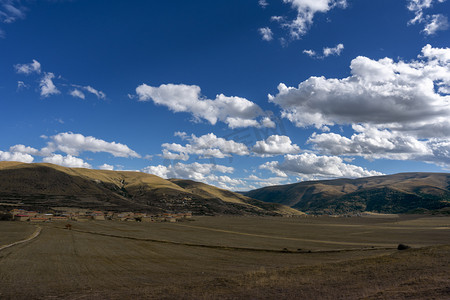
<point x="397" y="193"/>
<point x="43" y="185"/>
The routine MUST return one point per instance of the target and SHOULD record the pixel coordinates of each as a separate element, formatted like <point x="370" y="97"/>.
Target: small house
<point x="21" y="218"/>
<point x="38" y="219"/>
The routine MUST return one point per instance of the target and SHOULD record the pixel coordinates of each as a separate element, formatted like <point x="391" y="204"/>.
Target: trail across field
<point x="33" y="236"/>
<point x="287" y="238"/>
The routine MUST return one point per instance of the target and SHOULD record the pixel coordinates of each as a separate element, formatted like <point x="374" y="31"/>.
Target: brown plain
<point x="230" y="258"/>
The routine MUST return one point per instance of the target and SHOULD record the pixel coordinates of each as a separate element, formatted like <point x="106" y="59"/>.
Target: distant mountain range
<point x="42" y="186"/>
<point x="399" y="193"/>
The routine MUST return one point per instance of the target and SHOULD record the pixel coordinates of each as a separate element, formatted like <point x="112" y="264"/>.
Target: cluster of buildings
<point x="83" y="216"/>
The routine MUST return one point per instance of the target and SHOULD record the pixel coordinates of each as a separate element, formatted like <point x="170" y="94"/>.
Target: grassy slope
<point x="391" y="193"/>
<point x="209" y="191"/>
<point x="52" y="185"/>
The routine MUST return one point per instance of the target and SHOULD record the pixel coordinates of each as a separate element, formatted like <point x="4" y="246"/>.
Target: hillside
<point x="41" y="186"/>
<point x="399" y="193"/>
<point x="208" y="191"/>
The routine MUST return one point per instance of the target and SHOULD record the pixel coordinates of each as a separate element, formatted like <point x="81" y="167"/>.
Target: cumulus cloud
<point x="310" y="52"/>
<point x="275" y="145"/>
<point x="234" y="111"/>
<point x="205" y="173"/>
<point x="47" y="86"/>
<point x="397" y="110"/>
<point x="24" y="150"/>
<point x="311" y="166"/>
<point x="67" y="161"/>
<point x="327" y="51"/>
<point x="194" y="171"/>
<point x="254" y="182"/>
<point x="306" y="10"/>
<point x="334" y="50"/>
<point x="433" y="23"/>
<point x="205" y="146"/>
<point x="372" y="143"/>
<point x="436" y="23"/>
<point x="73" y="144"/>
<point x="106" y="167"/>
<point x="403" y="96"/>
<point x="226" y="182"/>
<point x="33" y="67"/>
<point x="266" y="33"/>
<point x="16" y="156"/>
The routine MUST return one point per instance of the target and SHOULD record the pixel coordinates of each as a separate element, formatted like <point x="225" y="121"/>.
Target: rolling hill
<point x="399" y="193"/>
<point x="41" y="186"/>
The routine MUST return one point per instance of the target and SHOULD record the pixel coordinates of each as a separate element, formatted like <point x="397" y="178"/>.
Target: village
<point x="98" y="215"/>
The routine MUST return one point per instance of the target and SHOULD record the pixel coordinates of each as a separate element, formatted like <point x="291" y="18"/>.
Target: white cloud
<point x="175" y="156"/>
<point x="333" y="51"/>
<point x="66" y="161"/>
<point x="195" y="171"/>
<point x="266" y="33"/>
<point x="310" y="53"/>
<point x="181" y="134"/>
<point x="199" y="172"/>
<point x="160" y="170"/>
<point x="106" y="167"/>
<point x="257" y="182"/>
<point x="436" y="23"/>
<point x="311" y="166"/>
<point x="89" y="89"/>
<point x="33" y="67"/>
<point x="372" y="143"/>
<point x="16" y="156"/>
<point x="47" y="86"/>
<point x="205" y="146"/>
<point x="268" y="123"/>
<point x="10" y="11"/>
<point x="433" y="23"/>
<point x="306" y="9"/>
<point x="226" y="182"/>
<point x="73" y="144"/>
<point x="21" y="85"/>
<point x="24" y="150"/>
<point x="327" y="51"/>
<point x="275" y="145"/>
<point x="234" y="111"/>
<point x="97" y="93"/>
<point x="263" y="3"/>
<point x="77" y="93"/>
<point x="402" y="96"/>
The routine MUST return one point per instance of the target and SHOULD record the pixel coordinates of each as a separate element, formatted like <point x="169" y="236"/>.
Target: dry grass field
<point x="230" y="258"/>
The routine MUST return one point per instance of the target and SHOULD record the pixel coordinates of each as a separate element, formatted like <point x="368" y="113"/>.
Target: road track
<point x="34" y="235"/>
<point x="289" y="238"/>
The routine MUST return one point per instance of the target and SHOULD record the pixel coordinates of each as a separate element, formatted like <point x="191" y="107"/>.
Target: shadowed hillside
<point x="399" y="193"/>
<point x="41" y="186"/>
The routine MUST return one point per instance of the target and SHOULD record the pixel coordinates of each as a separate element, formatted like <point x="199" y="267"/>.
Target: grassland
<point x="229" y="258"/>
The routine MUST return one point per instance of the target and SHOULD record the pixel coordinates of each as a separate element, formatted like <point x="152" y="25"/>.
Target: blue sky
<point x="239" y="94"/>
